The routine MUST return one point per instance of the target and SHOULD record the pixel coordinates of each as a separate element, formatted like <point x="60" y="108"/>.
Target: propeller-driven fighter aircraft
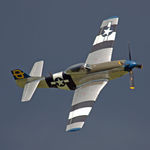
<point x="87" y="79"/>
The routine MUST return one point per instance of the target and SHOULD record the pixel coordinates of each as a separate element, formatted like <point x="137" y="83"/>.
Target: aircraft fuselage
<point x="79" y="74"/>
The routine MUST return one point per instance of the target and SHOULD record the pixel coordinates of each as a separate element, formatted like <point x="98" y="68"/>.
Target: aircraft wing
<point x="103" y="45"/>
<point x="83" y="100"/>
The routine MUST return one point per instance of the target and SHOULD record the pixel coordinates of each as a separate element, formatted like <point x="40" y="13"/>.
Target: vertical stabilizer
<point x="37" y="69"/>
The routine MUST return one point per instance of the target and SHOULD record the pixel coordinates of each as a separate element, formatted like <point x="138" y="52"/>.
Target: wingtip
<point x="113" y="17"/>
<point x="73" y="130"/>
<point x="25" y="100"/>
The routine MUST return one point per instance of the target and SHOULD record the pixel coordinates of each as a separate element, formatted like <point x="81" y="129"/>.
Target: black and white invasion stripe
<point x="78" y="114"/>
<point x="102" y="45"/>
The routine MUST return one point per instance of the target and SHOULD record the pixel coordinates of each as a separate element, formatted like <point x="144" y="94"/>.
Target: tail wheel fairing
<point x="60" y="80"/>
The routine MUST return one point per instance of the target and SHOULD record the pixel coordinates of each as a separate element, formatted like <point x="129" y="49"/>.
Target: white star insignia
<point x="107" y="32"/>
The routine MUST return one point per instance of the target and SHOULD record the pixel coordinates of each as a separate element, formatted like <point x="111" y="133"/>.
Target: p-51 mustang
<point x="87" y="79"/>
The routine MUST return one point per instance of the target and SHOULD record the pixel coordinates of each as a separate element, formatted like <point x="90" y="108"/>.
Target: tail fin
<point x="19" y="74"/>
<point x="37" y="69"/>
<point x="29" y="86"/>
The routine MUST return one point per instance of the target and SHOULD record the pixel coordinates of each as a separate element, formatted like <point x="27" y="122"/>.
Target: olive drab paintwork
<point x="69" y="80"/>
<point x="103" y="71"/>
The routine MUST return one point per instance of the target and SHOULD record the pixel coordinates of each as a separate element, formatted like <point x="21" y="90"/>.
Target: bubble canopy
<point x="75" y="68"/>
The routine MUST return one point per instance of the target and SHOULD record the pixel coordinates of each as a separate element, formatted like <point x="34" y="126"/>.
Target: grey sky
<point x="61" y="33"/>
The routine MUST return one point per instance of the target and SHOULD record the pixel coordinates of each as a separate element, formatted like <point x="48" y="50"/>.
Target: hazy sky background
<point x="61" y="33"/>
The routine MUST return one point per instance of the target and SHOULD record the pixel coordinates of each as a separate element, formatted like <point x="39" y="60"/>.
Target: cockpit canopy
<point x="77" y="68"/>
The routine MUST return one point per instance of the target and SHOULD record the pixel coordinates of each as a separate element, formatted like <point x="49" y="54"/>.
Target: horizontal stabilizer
<point x="29" y="89"/>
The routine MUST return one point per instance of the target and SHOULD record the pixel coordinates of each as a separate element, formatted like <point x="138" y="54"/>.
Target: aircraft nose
<point x="133" y="64"/>
<point x="129" y="65"/>
<point x="130" y="62"/>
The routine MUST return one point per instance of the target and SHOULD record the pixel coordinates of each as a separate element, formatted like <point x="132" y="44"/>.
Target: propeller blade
<point x="131" y="80"/>
<point x="129" y="51"/>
